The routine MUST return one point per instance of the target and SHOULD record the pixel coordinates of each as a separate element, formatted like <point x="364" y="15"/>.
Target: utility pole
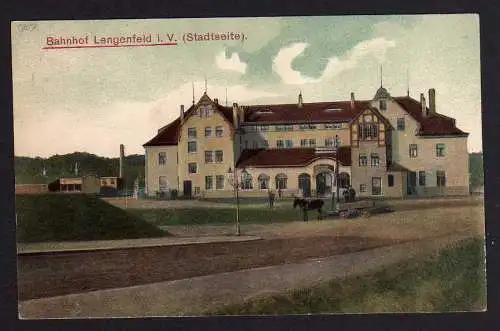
<point x="337" y="166"/>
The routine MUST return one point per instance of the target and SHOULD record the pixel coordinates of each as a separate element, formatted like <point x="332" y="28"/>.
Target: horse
<point x="306" y="205"/>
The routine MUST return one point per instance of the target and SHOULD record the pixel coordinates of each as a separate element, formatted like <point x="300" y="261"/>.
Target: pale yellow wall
<point x="320" y="134"/>
<point x="224" y="143"/>
<point x="364" y="175"/>
<point x="454" y="163"/>
<point x="397" y="190"/>
<point x="154" y="170"/>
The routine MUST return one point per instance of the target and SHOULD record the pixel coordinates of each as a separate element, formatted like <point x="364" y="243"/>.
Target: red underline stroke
<point x="108" y="46"/>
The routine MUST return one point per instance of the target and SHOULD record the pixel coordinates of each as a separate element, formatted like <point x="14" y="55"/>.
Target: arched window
<point x="344" y="180"/>
<point x="263" y="181"/>
<point x="246" y="181"/>
<point x="281" y="180"/>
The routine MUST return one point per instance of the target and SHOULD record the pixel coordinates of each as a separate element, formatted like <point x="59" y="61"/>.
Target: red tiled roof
<point x="309" y="112"/>
<point x="433" y="124"/>
<point x="290" y="157"/>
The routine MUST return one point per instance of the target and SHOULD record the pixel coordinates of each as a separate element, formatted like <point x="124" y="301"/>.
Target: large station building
<point x="388" y="146"/>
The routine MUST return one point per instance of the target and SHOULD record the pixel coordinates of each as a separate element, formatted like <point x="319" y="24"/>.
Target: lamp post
<point x="337" y="167"/>
<point x="236" y="194"/>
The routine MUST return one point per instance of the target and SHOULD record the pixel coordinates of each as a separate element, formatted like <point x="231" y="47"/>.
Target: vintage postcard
<point x="248" y="166"/>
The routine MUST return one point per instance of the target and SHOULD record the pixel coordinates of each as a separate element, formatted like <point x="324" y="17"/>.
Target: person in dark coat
<point x="279" y="193"/>
<point x="352" y="194"/>
<point x="271" y="198"/>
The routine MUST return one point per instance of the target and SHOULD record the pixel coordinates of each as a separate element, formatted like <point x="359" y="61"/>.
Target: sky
<point x="92" y="99"/>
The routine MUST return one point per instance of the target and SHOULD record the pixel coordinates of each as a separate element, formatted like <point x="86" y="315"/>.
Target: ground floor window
<point x="162" y="182"/>
<point x="441" y="178"/>
<point x="344" y="180"/>
<point x="362" y="188"/>
<point x="390" y="180"/>
<point x="421" y="178"/>
<point x="376" y="186"/>
<point x="281" y="181"/>
<point x="263" y="182"/>
<point x="219" y="182"/>
<point x="208" y="182"/>
<point x="246" y="181"/>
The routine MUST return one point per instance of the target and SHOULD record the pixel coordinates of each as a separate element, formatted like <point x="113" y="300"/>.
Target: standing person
<point x="352" y="194"/>
<point x="271" y="199"/>
<point x="279" y="193"/>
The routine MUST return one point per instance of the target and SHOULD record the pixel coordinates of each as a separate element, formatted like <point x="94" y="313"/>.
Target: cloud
<point x="100" y="130"/>
<point x="282" y="63"/>
<point x="233" y="63"/>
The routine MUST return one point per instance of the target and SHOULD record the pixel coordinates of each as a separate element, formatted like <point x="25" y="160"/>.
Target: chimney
<point x="182" y="114"/>
<point x="300" y="100"/>
<point x="235" y="115"/>
<point x="423" y="105"/>
<point x="432" y="101"/>
<point x="216" y="100"/>
<point x="352" y="100"/>
<point x="122" y="155"/>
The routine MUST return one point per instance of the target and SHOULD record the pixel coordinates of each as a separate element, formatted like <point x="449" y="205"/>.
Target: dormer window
<point x="383" y="104"/>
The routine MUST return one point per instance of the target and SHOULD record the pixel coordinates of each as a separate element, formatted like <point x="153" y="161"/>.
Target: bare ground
<point x="63" y="273"/>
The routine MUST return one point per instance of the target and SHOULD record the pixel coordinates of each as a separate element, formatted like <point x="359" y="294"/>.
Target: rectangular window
<point x="289" y="144"/>
<point x="208" y="182"/>
<point x="375" y="160"/>
<point x="362" y="188"/>
<point x="376" y="186"/>
<point x="390" y="180"/>
<point x="368" y="131"/>
<point x="191" y="146"/>
<point x="413" y="150"/>
<point x="162" y="183"/>
<point x="312" y="142"/>
<point x="191" y="133"/>
<point x="441" y="178"/>
<point x="219" y="156"/>
<point x="303" y="127"/>
<point x="219" y="131"/>
<point x="162" y="158"/>
<point x="329" y="142"/>
<point x="266" y="143"/>
<point x="421" y="178"/>
<point x="279" y="143"/>
<point x="288" y="127"/>
<point x="303" y="142"/>
<point x="401" y="124"/>
<point x="219" y="182"/>
<point x="208" y="131"/>
<point x="383" y="104"/>
<point x="192" y="168"/>
<point x="440" y="150"/>
<point x="209" y="157"/>
<point x="196" y="190"/>
<point x="363" y="160"/>
<point x="333" y="125"/>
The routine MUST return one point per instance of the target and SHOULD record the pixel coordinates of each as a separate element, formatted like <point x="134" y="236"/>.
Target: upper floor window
<point x="330" y="142"/>
<point x="208" y="131"/>
<point x="289" y="144"/>
<point x="208" y="111"/>
<point x="312" y="142"/>
<point x="363" y="160"/>
<point x="192" y="168"/>
<point x="162" y="158"/>
<point x="219" y="131"/>
<point x="383" y="104"/>
<point x="191" y="146"/>
<point x="303" y="142"/>
<point x="191" y="133"/>
<point x="375" y="160"/>
<point x="400" y="124"/>
<point x="413" y="150"/>
<point x="440" y="150"/>
<point x="279" y="143"/>
<point x="209" y="157"/>
<point x="368" y="131"/>
<point x="219" y="156"/>
<point x="333" y="125"/>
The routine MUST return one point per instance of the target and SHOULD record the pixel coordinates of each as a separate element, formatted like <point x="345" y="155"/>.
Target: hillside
<point x="30" y="170"/>
<point x="76" y="217"/>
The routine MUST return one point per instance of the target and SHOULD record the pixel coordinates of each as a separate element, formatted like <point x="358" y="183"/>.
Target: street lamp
<point x="337" y="167"/>
<point x="236" y="184"/>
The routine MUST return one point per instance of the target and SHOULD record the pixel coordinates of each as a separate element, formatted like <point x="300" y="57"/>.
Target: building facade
<point x="387" y="146"/>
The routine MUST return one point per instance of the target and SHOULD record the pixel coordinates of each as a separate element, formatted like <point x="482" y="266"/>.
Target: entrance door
<point x="188" y="188"/>
<point x="376" y="186"/>
<point x="305" y="185"/>
<point x="411" y="183"/>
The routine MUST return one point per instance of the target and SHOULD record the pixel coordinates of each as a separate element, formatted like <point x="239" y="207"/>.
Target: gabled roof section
<point x="432" y="125"/>
<point x="336" y="111"/>
<point x="289" y="157"/>
<point x="377" y="113"/>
